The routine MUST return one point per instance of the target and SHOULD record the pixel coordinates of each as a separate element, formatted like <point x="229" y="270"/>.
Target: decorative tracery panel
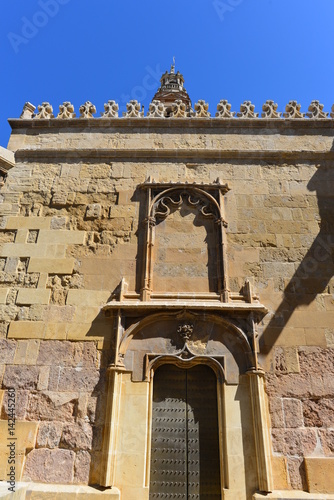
<point x="184" y="251"/>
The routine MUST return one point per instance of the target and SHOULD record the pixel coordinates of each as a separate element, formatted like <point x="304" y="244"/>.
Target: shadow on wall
<point x="317" y="267"/>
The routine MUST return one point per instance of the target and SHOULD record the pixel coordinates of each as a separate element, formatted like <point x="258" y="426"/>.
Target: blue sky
<point x="78" y="50"/>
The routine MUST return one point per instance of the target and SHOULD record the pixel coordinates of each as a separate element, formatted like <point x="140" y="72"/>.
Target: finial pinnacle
<point x="172" y="69"/>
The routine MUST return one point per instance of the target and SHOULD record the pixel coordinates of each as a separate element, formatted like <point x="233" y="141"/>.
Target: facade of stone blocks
<point x="144" y="255"/>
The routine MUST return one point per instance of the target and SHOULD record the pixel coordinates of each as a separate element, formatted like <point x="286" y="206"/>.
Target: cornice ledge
<point x="186" y="153"/>
<point x="151" y="122"/>
<point x="208" y="305"/>
<point x="7" y="159"/>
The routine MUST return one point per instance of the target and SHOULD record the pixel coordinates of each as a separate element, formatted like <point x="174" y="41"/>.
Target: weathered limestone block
<point x="49" y="466"/>
<point x="276" y="412"/>
<point x="82" y="467"/>
<point x="21" y="377"/>
<point x="59" y="199"/>
<point x="293" y="413"/>
<point x="202" y="109"/>
<point x="55" y="352"/>
<point x="26" y="352"/>
<point x="21" y="404"/>
<point x="66" y="111"/>
<point x="7" y="351"/>
<point x="49" y="434"/>
<point x="270" y="110"/>
<point x="87" y="110"/>
<point x="78" y="379"/>
<point x="133" y="110"/>
<point x="53" y="266"/>
<point x="156" y="110"/>
<point x="295" y="442"/>
<point x="319" y="412"/>
<point x="28" y="111"/>
<point x="110" y="110"/>
<point x="320" y="477"/>
<point x="28" y="296"/>
<point x="321" y="360"/>
<point x="26" y="330"/>
<point x="93" y="211"/>
<point x="327" y="441"/>
<point x="45" y="111"/>
<point x="297" y="473"/>
<point x="51" y="406"/>
<point x="78" y="436"/>
<point x="224" y="109"/>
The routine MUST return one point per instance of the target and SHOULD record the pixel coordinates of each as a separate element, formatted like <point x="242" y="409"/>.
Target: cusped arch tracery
<point x="175" y="197"/>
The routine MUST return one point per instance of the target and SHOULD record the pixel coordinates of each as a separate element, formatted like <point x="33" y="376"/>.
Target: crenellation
<point x="157" y="109"/>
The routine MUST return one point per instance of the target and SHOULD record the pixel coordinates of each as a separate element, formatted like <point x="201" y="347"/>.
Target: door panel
<point x="168" y="456"/>
<point x="185" y="447"/>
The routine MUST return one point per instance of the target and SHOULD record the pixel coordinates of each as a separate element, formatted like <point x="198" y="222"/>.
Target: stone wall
<point x="69" y="234"/>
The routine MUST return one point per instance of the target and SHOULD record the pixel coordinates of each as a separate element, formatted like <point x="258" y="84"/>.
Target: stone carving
<point x="134" y="110"/>
<point x="316" y="110"/>
<point x="224" y="109"/>
<point x="292" y="110"/>
<point x="270" y="110"/>
<point x="332" y="112"/>
<point x="201" y="108"/>
<point x="66" y="110"/>
<point x="110" y="110"/>
<point x="179" y="109"/>
<point x="151" y="221"/>
<point x="185" y="331"/>
<point x="156" y="110"/>
<point x="87" y="110"/>
<point x="27" y="111"/>
<point x="166" y="203"/>
<point x="247" y="110"/>
<point x="45" y="111"/>
<point x="93" y="211"/>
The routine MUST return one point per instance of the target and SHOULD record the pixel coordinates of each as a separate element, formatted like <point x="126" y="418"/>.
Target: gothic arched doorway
<point x="185" y="454"/>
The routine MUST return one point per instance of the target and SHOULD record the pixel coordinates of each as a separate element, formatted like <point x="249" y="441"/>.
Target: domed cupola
<point x="172" y="89"/>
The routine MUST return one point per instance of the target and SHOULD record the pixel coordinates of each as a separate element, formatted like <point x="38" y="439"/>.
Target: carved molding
<point x="185" y="331"/>
<point x="202" y="109"/>
<point x="261" y="430"/>
<point x="163" y="206"/>
<point x="184" y="359"/>
<point x="156" y="110"/>
<point x="87" y="110"/>
<point x="179" y="110"/>
<point x="45" y="111"/>
<point x="292" y="110"/>
<point x="247" y="110"/>
<point x="269" y="109"/>
<point x="66" y="110"/>
<point x="110" y="110"/>
<point x="316" y="110"/>
<point x="134" y="110"/>
<point x="224" y="109"/>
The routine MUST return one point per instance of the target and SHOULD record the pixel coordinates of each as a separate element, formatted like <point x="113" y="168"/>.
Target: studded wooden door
<point x="185" y="445"/>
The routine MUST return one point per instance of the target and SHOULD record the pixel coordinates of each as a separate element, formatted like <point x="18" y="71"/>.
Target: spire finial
<point x="172" y="69"/>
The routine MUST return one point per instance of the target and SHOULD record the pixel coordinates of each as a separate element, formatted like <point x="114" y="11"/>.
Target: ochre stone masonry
<point x="136" y="242"/>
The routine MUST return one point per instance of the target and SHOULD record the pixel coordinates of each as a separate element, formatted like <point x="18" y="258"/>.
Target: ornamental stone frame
<point x="215" y="328"/>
